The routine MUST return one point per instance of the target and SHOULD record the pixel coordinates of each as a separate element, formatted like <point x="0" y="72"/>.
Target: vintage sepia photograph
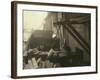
<point x="52" y="39"/>
<point x="55" y="39"/>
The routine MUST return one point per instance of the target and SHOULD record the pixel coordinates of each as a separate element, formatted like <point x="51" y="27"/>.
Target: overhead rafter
<point x="75" y="34"/>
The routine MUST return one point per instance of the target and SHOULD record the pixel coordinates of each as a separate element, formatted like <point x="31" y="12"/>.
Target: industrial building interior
<point x="63" y="41"/>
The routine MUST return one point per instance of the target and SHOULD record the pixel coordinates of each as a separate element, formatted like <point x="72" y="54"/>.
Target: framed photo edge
<point x="14" y="38"/>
